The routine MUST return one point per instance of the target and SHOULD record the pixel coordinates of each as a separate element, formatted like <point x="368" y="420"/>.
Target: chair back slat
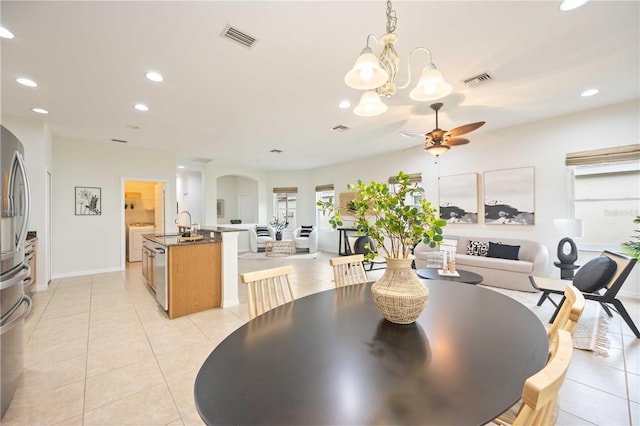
<point x="267" y="289"/>
<point x="348" y="270"/>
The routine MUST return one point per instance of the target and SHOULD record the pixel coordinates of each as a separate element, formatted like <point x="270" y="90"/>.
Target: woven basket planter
<point x="399" y="294"/>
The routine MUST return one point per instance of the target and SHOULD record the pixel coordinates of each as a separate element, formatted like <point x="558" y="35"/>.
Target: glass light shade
<point x="366" y="74"/>
<point x="431" y="85"/>
<point x="370" y="105"/>
<point x="437" y="150"/>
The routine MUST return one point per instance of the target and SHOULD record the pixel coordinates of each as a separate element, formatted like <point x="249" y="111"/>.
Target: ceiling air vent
<point x="119" y="140"/>
<point x="478" y="80"/>
<point x="201" y="160"/>
<point x="238" y="36"/>
<point x="340" y="128"/>
<point x="276" y="151"/>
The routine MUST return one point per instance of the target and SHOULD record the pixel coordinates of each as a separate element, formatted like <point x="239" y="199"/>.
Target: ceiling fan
<point x="439" y="141"/>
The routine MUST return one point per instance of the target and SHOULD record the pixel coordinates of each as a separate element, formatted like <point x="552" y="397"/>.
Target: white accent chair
<point x="256" y="243"/>
<point x="309" y="243"/>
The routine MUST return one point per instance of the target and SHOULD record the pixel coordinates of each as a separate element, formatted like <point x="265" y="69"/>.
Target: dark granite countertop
<point x="177" y="240"/>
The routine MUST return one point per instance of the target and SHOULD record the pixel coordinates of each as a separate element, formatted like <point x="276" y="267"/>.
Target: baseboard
<point x="87" y="272"/>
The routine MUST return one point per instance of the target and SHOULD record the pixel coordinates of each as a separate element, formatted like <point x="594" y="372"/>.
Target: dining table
<point x="330" y="358"/>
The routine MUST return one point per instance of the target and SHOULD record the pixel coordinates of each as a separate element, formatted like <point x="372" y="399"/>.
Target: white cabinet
<point x="134" y="246"/>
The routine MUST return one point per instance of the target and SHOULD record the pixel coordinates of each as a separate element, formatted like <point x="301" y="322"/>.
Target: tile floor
<point x="99" y="351"/>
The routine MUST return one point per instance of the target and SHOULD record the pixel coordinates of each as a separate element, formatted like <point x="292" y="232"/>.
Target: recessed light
<point x="154" y="76"/>
<point x="589" y="92"/>
<point x="567" y="5"/>
<point x="40" y="110"/>
<point x="5" y="33"/>
<point x="181" y="167"/>
<point x="133" y="126"/>
<point x="26" y="82"/>
<point x="344" y="104"/>
<point x="141" y="107"/>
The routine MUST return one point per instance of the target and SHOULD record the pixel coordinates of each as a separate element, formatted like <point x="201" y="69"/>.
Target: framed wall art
<point x="220" y="208"/>
<point x="88" y="201"/>
<point x="509" y="196"/>
<point x="459" y="198"/>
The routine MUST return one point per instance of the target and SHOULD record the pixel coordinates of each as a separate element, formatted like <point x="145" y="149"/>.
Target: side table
<point x="279" y="248"/>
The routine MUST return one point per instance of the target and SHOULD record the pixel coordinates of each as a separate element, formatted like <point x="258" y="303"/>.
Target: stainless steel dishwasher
<point x="160" y="275"/>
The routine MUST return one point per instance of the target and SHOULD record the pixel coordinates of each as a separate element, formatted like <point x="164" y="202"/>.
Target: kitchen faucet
<point x="183" y="229"/>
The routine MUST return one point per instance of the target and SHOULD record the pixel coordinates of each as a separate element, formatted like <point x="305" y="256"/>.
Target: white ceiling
<point x="231" y="104"/>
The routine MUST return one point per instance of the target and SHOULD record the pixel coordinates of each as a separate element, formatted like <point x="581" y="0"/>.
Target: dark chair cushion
<point x="595" y="274"/>
<point x="503" y="251"/>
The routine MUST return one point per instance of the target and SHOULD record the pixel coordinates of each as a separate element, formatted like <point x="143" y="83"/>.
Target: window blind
<point x="321" y="188"/>
<point x="289" y="190"/>
<point x="602" y="156"/>
<point x="413" y="178"/>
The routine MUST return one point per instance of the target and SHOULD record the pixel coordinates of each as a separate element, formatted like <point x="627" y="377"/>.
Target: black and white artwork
<point x="459" y="198"/>
<point x="509" y="196"/>
<point x="88" y="201"/>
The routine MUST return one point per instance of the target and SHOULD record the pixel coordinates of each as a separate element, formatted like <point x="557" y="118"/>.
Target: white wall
<point x="93" y="244"/>
<point x="36" y="138"/>
<point x="543" y="145"/>
<point x="190" y="196"/>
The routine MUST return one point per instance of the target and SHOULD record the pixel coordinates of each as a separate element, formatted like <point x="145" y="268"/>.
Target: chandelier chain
<point x="392" y="20"/>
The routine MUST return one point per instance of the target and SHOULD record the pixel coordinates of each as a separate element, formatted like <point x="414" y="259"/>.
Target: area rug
<point x="261" y="256"/>
<point x="591" y="331"/>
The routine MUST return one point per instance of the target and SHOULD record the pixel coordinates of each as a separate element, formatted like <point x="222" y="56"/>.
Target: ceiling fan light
<point x="437" y="149"/>
<point x="370" y="105"/>
<point x="366" y="74"/>
<point x="431" y="85"/>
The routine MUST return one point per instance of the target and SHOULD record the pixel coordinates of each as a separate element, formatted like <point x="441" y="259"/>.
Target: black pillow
<point x="503" y="251"/>
<point x="595" y="274"/>
<point x="305" y="231"/>
<point x="262" y="231"/>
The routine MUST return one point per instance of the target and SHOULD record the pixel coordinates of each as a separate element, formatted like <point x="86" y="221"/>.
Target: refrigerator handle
<point x="22" y="236"/>
<point x="16" y="277"/>
<point x="9" y="325"/>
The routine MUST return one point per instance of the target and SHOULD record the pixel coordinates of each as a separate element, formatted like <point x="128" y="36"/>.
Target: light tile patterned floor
<point x="99" y="351"/>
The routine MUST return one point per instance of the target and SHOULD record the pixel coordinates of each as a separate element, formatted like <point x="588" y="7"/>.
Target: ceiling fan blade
<point x="412" y="134"/>
<point x="457" y="141"/>
<point x="465" y="129"/>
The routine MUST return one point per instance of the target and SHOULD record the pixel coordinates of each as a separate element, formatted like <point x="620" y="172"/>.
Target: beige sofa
<point x="532" y="259"/>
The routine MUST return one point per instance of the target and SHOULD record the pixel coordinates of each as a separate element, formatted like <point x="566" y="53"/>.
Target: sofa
<point x="307" y="240"/>
<point x="256" y="242"/>
<point x="502" y="262"/>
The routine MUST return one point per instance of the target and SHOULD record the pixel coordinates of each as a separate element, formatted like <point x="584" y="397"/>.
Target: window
<point x="607" y="199"/>
<point x="412" y="199"/>
<point x="324" y="193"/>
<point x="284" y="205"/>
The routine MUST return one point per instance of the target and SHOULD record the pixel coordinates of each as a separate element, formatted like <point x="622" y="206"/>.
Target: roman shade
<point x="413" y="178"/>
<point x="322" y="188"/>
<point x="289" y="190"/>
<point x="616" y="154"/>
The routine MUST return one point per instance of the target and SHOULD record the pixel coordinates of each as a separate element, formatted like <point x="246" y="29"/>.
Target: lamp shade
<point x="370" y="105"/>
<point x="366" y="74"/>
<point x="431" y="85"/>
<point x="568" y="227"/>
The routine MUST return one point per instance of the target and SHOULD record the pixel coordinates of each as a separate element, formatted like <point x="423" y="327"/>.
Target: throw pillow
<point x="595" y="274"/>
<point x="262" y="231"/>
<point x="503" y="251"/>
<point x="477" y="248"/>
<point x="305" y="231"/>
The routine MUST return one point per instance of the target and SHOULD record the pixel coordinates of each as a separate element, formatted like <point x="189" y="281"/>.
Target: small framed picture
<point x="220" y="208"/>
<point x="88" y="201"/>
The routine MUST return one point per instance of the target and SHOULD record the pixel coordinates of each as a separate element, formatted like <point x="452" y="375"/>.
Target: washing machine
<point x="134" y="237"/>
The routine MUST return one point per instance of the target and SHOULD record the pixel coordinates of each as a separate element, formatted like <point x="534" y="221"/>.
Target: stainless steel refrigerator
<point x="14" y="303"/>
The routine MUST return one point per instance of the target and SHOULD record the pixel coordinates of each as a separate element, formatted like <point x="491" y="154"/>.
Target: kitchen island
<point x="192" y="274"/>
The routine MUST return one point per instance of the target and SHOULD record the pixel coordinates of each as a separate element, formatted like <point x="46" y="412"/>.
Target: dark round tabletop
<point x="465" y="276"/>
<point x="330" y="358"/>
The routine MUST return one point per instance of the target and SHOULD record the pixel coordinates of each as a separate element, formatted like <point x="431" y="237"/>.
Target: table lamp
<point x="567" y="250"/>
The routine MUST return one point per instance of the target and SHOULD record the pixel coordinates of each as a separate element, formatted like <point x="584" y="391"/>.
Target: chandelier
<point x="377" y="75"/>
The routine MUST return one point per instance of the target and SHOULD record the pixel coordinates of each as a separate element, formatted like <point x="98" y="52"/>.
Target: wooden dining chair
<point x="540" y="391"/>
<point x="568" y="315"/>
<point x="267" y="289"/>
<point x="348" y="270"/>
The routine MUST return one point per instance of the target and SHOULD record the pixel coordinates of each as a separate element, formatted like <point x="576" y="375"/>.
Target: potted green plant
<point x="632" y="247"/>
<point x="278" y="225"/>
<point x="396" y="227"/>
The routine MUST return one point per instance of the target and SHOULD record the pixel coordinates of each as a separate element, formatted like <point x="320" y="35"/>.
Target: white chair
<point x="256" y="242"/>
<point x="309" y="242"/>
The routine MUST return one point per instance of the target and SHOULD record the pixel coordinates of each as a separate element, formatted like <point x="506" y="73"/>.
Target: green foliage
<point x="632" y="247"/>
<point x="278" y="225"/>
<point x="385" y="217"/>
